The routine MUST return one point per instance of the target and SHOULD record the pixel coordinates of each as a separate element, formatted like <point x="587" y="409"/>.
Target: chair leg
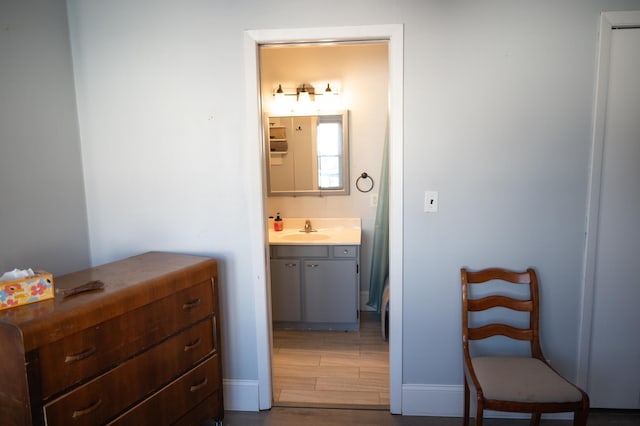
<point x="535" y="419"/>
<point x="580" y="417"/>
<point x="479" y="414"/>
<point x="465" y="421"/>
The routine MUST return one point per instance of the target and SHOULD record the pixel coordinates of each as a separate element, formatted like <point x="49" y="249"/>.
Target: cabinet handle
<point x="192" y="304"/>
<point x="193" y="344"/>
<point x="84" y="411"/>
<point x="312" y="265"/>
<point x="345" y="252"/>
<point x="203" y="383"/>
<point x="290" y="265"/>
<point x="70" y="359"/>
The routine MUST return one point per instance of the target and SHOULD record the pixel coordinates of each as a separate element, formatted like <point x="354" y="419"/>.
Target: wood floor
<point x="335" y="369"/>
<point x="286" y="416"/>
<point x="310" y="367"/>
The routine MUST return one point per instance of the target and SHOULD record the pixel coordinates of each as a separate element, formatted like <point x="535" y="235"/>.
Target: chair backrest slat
<point x="485" y="275"/>
<point x="490" y="330"/>
<point x="500" y="301"/>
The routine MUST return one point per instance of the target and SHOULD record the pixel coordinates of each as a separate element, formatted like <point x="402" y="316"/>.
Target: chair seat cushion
<point x="522" y="379"/>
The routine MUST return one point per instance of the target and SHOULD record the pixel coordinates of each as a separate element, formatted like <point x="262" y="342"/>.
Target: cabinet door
<point x="330" y="292"/>
<point x="285" y="290"/>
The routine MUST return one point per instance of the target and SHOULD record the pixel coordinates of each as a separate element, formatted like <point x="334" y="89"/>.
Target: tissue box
<point x="28" y="290"/>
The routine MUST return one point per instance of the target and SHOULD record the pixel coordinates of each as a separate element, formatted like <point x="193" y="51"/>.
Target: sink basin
<point x="303" y="236"/>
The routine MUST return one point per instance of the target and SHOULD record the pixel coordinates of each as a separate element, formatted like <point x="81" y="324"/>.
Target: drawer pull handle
<point x="312" y="265"/>
<point x="70" y="359"/>
<point x="290" y="265"/>
<point x="196" y="388"/>
<point x="192" y="304"/>
<point x="193" y="344"/>
<point x="84" y="411"/>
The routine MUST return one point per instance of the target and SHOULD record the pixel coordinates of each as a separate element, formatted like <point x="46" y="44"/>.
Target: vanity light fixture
<point x="306" y="99"/>
<point x="303" y="93"/>
<point x="279" y="94"/>
<point x="305" y="96"/>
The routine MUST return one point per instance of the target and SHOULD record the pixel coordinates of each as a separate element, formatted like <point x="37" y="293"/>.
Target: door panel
<point x="614" y="370"/>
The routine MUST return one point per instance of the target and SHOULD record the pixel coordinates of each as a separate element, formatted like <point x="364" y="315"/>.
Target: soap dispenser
<point x="278" y="224"/>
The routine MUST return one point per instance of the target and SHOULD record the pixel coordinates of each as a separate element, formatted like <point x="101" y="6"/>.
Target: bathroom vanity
<point x="315" y="276"/>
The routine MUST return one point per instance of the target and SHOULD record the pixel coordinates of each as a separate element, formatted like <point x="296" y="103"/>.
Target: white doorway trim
<point x="608" y="22"/>
<point x="259" y="250"/>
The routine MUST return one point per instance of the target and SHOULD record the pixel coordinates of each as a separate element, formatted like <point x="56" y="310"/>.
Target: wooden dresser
<point x="142" y="350"/>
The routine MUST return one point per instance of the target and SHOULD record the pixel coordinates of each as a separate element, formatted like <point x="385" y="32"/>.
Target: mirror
<point x="307" y="154"/>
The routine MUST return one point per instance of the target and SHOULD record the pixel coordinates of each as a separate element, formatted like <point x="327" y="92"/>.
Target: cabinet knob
<point x="345" y="251"/>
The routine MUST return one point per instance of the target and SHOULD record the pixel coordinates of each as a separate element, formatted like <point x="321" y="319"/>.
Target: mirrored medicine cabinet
<point x="307" y="154"/>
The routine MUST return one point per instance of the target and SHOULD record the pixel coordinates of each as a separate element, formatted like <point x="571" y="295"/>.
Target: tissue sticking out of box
<point x="17" y="274"/>
<point x="35" y="288"/>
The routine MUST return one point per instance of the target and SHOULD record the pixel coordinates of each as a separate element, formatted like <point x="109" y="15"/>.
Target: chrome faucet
<point x="307" y="226"/>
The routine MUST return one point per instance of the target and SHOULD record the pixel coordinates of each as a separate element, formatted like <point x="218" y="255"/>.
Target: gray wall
<point x="43" y="220"/>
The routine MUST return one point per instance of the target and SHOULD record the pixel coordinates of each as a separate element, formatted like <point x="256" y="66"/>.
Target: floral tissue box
<point x="28" y="290"/>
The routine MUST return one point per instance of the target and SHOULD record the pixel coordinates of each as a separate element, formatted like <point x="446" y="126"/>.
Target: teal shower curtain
<point x="380" y="255"/>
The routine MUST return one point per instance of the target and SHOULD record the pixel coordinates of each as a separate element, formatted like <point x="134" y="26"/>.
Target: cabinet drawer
<point x="209" y="408"/>
<point x="91" y="351"/>
<point x="345" y="251"/>
<point x="184" y="393"/>
<point x="94" y="402"/>
<point x="300" y="251"/>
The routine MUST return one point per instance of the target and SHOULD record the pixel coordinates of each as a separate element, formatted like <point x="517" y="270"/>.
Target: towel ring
<point x="363" y="176"/>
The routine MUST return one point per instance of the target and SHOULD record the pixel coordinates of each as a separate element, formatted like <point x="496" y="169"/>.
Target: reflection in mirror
<point x="308" y="155"/>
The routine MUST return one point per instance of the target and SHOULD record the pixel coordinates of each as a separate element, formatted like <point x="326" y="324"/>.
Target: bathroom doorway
<point x="328" y="368"/>
<point x="393" y="34"/>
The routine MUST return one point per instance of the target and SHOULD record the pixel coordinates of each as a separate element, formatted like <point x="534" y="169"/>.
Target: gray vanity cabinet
<point x="329" y="294"/>
<point x="285" y="290"/>
<point x="322" y="283"/>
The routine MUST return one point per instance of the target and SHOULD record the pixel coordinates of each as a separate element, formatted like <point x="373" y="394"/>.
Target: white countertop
<point x="326" y="231"/>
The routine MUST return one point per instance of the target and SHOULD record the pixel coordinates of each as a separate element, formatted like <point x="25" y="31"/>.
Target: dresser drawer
<point x="91" y="351"/>
<point x="98" y="400"/>
<point x="209" y="408"/>
<point x="194" y="388"/>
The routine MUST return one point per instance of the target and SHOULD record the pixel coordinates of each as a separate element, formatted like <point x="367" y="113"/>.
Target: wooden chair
<point x="523" y="384"/>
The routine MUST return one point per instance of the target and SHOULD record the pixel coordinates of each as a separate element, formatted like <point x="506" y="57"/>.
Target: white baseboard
<point x="432" y="400"/>
<point x="241" y="395"/>
<point x="448" y="400"/>
<point x="417" y="400"/>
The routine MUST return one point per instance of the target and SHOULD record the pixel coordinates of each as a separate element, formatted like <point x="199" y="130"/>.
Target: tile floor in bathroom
<point x="335" y="369"/>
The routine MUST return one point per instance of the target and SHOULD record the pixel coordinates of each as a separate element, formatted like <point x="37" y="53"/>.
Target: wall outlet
<point x="431" y="201"/>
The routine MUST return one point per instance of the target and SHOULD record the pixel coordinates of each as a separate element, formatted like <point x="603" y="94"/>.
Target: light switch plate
<point x="431" y="201"/>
